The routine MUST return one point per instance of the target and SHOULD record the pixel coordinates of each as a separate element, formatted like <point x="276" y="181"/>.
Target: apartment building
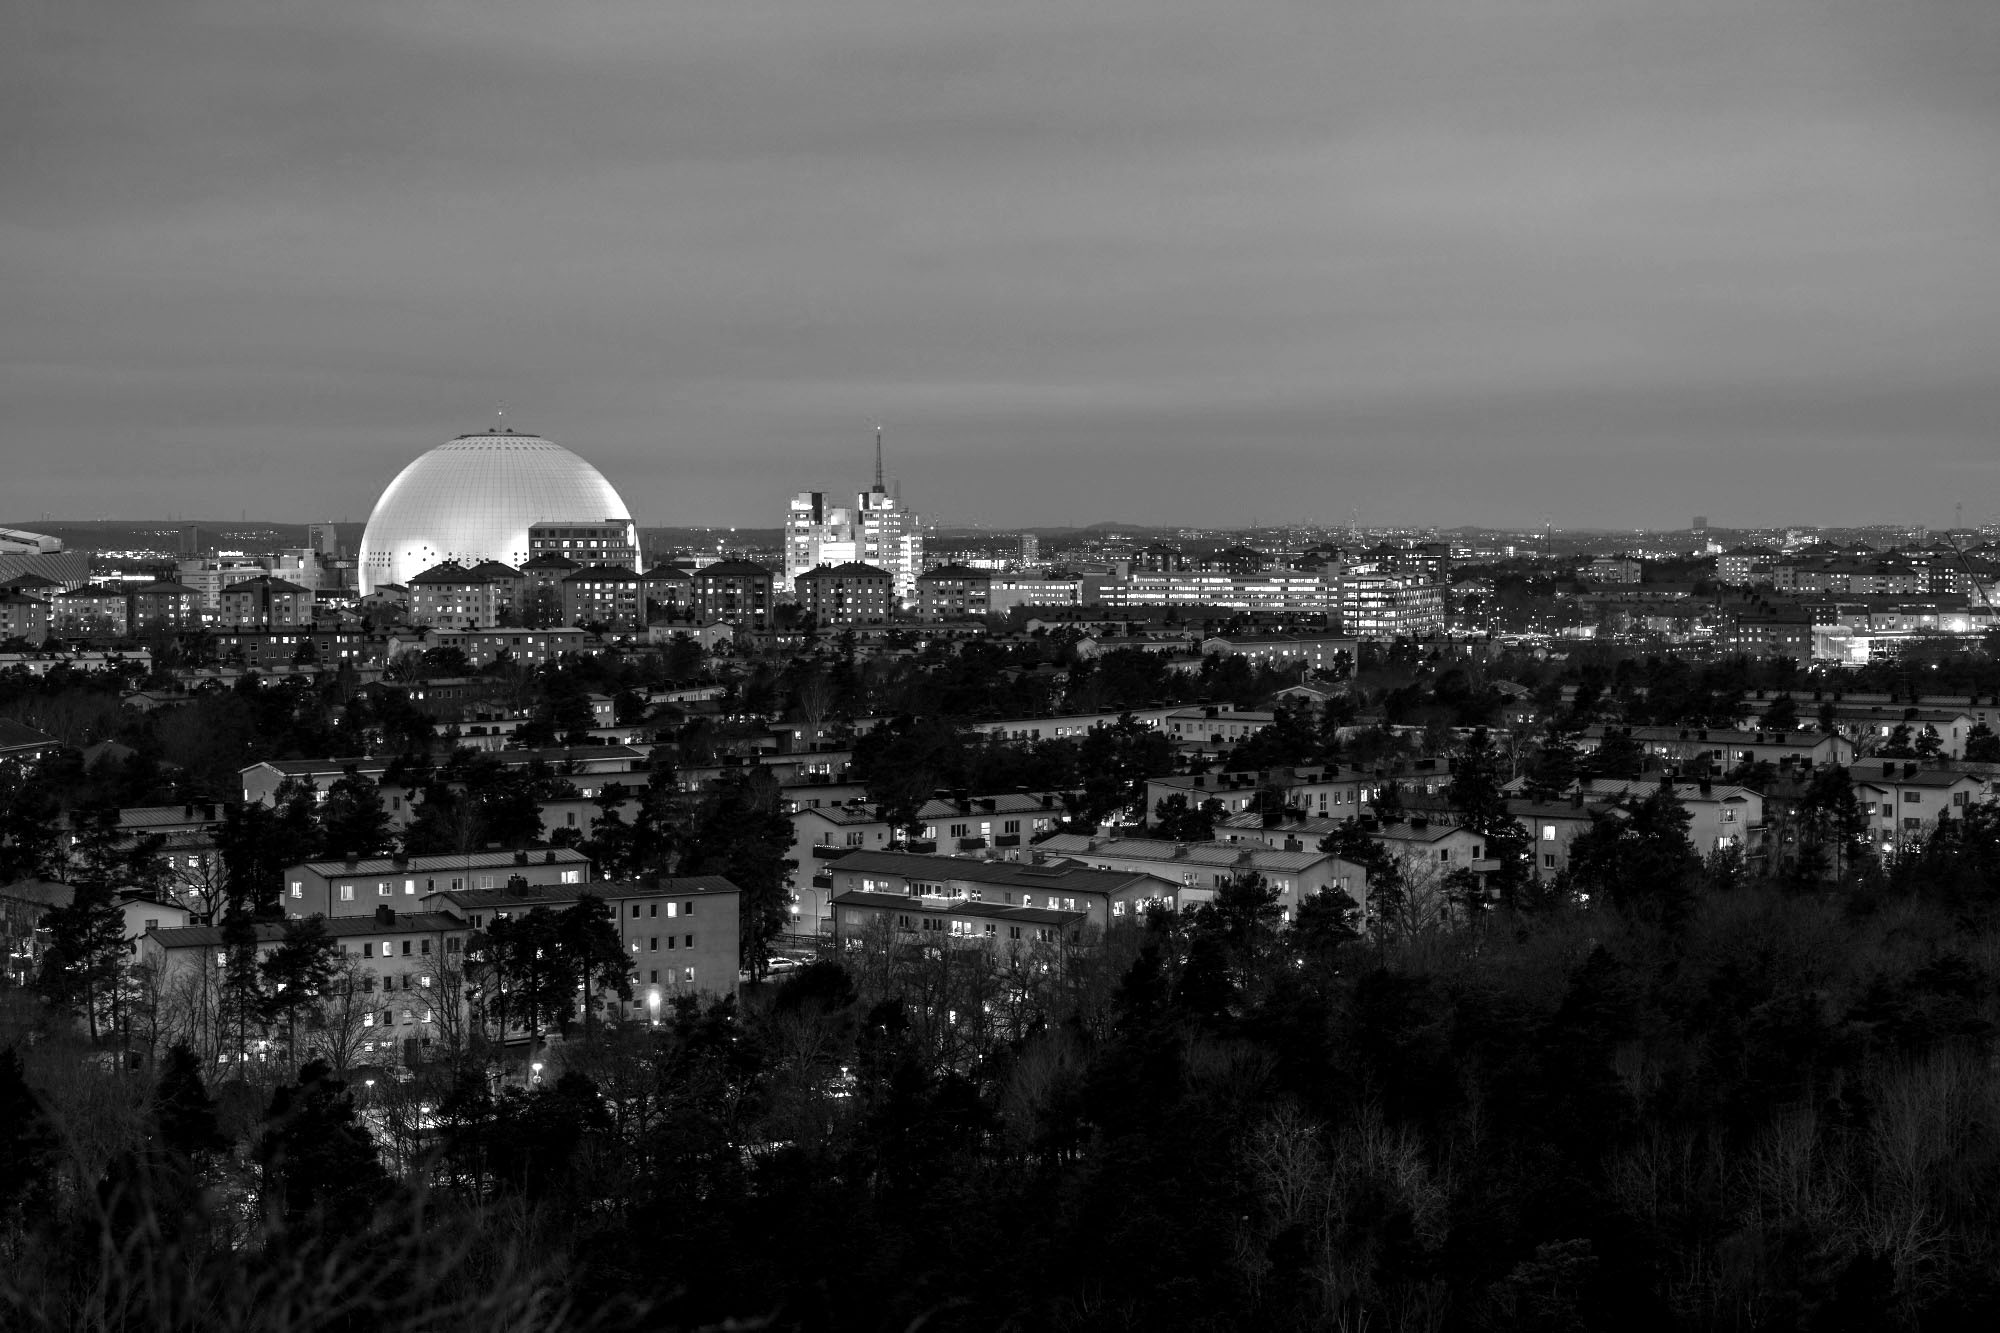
<point x="1904" y="800"/>
<point x="449" y="595"/>
<point x="740" y="593"/>
<point x="609" y="595"/>
<point x="613" y="541"/>
<point x="984" y="890"/>
<point x="1202" y="868"/>
<point x="846" y="594"/>
<point x="264" y="602"/>
<point x="683" y="935"/>
<point x="403" y="962"/>
<point x="954" y="592"/>
<point x="359" y="887"/>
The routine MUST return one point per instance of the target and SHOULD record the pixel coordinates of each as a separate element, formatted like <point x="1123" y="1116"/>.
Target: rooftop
<point x="498" y="860"/>
<point x="339" y="927"/>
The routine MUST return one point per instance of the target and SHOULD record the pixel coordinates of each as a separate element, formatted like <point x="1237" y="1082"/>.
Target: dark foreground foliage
<point x="1758" y="1110"/>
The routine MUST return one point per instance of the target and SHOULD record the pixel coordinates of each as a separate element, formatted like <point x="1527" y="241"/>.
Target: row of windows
<point x="388" y="1017"/>
<point x="966" y="929"/>
<point x="673" y="909"/>
<point x="654" y="943"/>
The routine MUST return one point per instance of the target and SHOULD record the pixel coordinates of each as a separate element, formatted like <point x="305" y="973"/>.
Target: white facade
<point x="474" y="499"/>
<point x="877" y="530"/>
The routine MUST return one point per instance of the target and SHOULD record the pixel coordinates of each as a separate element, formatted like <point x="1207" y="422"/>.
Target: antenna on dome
<point x="878" y="461"/>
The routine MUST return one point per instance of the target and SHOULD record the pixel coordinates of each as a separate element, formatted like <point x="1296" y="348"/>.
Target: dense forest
<point x="1672" y="1096"/>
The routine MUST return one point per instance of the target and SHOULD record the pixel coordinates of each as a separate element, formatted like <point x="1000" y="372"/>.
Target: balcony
<point x="1007" y="840"/>
<point x="822" y="881"/>
<point x="971" y="844"/>
<point x="923" y="847"/>
<point x="822" y="852"/>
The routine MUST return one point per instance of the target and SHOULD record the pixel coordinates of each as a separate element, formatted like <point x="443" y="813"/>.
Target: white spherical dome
<point x="473" y="499"/>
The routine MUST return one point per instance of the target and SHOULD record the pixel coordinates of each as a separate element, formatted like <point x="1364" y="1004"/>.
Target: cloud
<point x="1452" y="257"/>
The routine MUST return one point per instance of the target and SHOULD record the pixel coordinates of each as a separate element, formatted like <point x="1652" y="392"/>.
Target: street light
<point x="653" y="1003"/>
<point x="537" y="1067"/>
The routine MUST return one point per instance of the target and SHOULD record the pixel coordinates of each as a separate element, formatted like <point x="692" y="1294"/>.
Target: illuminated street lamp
<point x="537" y="1067"/>
<point x="653" y="1003"/>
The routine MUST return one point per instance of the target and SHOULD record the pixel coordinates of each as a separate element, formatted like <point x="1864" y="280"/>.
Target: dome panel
<point x="473" y="499"/>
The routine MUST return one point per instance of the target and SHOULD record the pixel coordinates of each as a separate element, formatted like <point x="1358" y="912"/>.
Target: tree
<point x="533" y="987"/>
<point x="1982" y="746"/>
<point x="28" y="1143"/>
<point x="1474" y="791"/>
<point x="1833" y="825"/>
<point x="30" y="845"/>
<point x="1327" y="920"/>
<point x="1553" y="769"/>
<point x="352" y="822"/>
<point x="296" y="975"/>
<point x="739" y="833"/>
<point x="1900" y="744"/>
<point x="318" y="1162"/>
<point x="183" y="1112"/>
<point x="85" y="950"/>
<point x="256" y="842"/>
<point x="1176" y="821"/>
<point x="1640" y="859"/>
<point x="1782" y="715"/>
<point x="588" y="944"/>
<point x="1617" y="756"/>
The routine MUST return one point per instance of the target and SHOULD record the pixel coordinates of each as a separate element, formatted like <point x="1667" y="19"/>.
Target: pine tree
<point x="86" y="948"/>
<point x="294" y="975"/>
<point x="28" y="1142"/>
<point x="320" y="1169"/>
<point x="182" y="1108"/>
<point x="592" y="954"/>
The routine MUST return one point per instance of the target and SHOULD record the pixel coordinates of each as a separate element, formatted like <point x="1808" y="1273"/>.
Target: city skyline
<point x="1460" y="263"/>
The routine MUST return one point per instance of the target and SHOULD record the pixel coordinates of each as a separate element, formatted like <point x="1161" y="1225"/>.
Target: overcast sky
<point x="1607" y="262"/>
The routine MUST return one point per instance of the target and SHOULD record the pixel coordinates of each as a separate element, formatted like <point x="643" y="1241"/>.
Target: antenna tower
<point x="878" y="461"/>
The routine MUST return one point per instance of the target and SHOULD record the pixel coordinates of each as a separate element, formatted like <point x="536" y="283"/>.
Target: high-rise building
<point x="1031" y="550"/>
<point x="876" y="531"/>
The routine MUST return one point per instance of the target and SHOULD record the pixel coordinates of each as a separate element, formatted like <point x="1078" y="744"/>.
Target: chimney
<point x="1576" y="798"/>
<point x="548" y="858"/>
<point x="385" y="915"/>
<point x="520" y="858"/>
<point x="1888" y="768"/>
<point x="1910" y="769"/>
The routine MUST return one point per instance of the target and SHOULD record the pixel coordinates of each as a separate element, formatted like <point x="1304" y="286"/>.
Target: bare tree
<point x="343" y="1020"/>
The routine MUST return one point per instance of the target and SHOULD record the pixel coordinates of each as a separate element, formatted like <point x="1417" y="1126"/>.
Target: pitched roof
<point x="39" y="892"/>
<point x="263" y="583"/>
<point x="733" y="569"/>
<point x="1036" y="916"/>
<point x="1014" y="874"/>
<point x="448" y="572"/>
<point x="16" y="736"/>
<point x="534" y="895"/>
<point x="339" y="927"/>
<point x="602" y="574"/>
<point x="500" y="860"/>
<point x="850" y="569"/>
<point x="1214" y="855"/>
